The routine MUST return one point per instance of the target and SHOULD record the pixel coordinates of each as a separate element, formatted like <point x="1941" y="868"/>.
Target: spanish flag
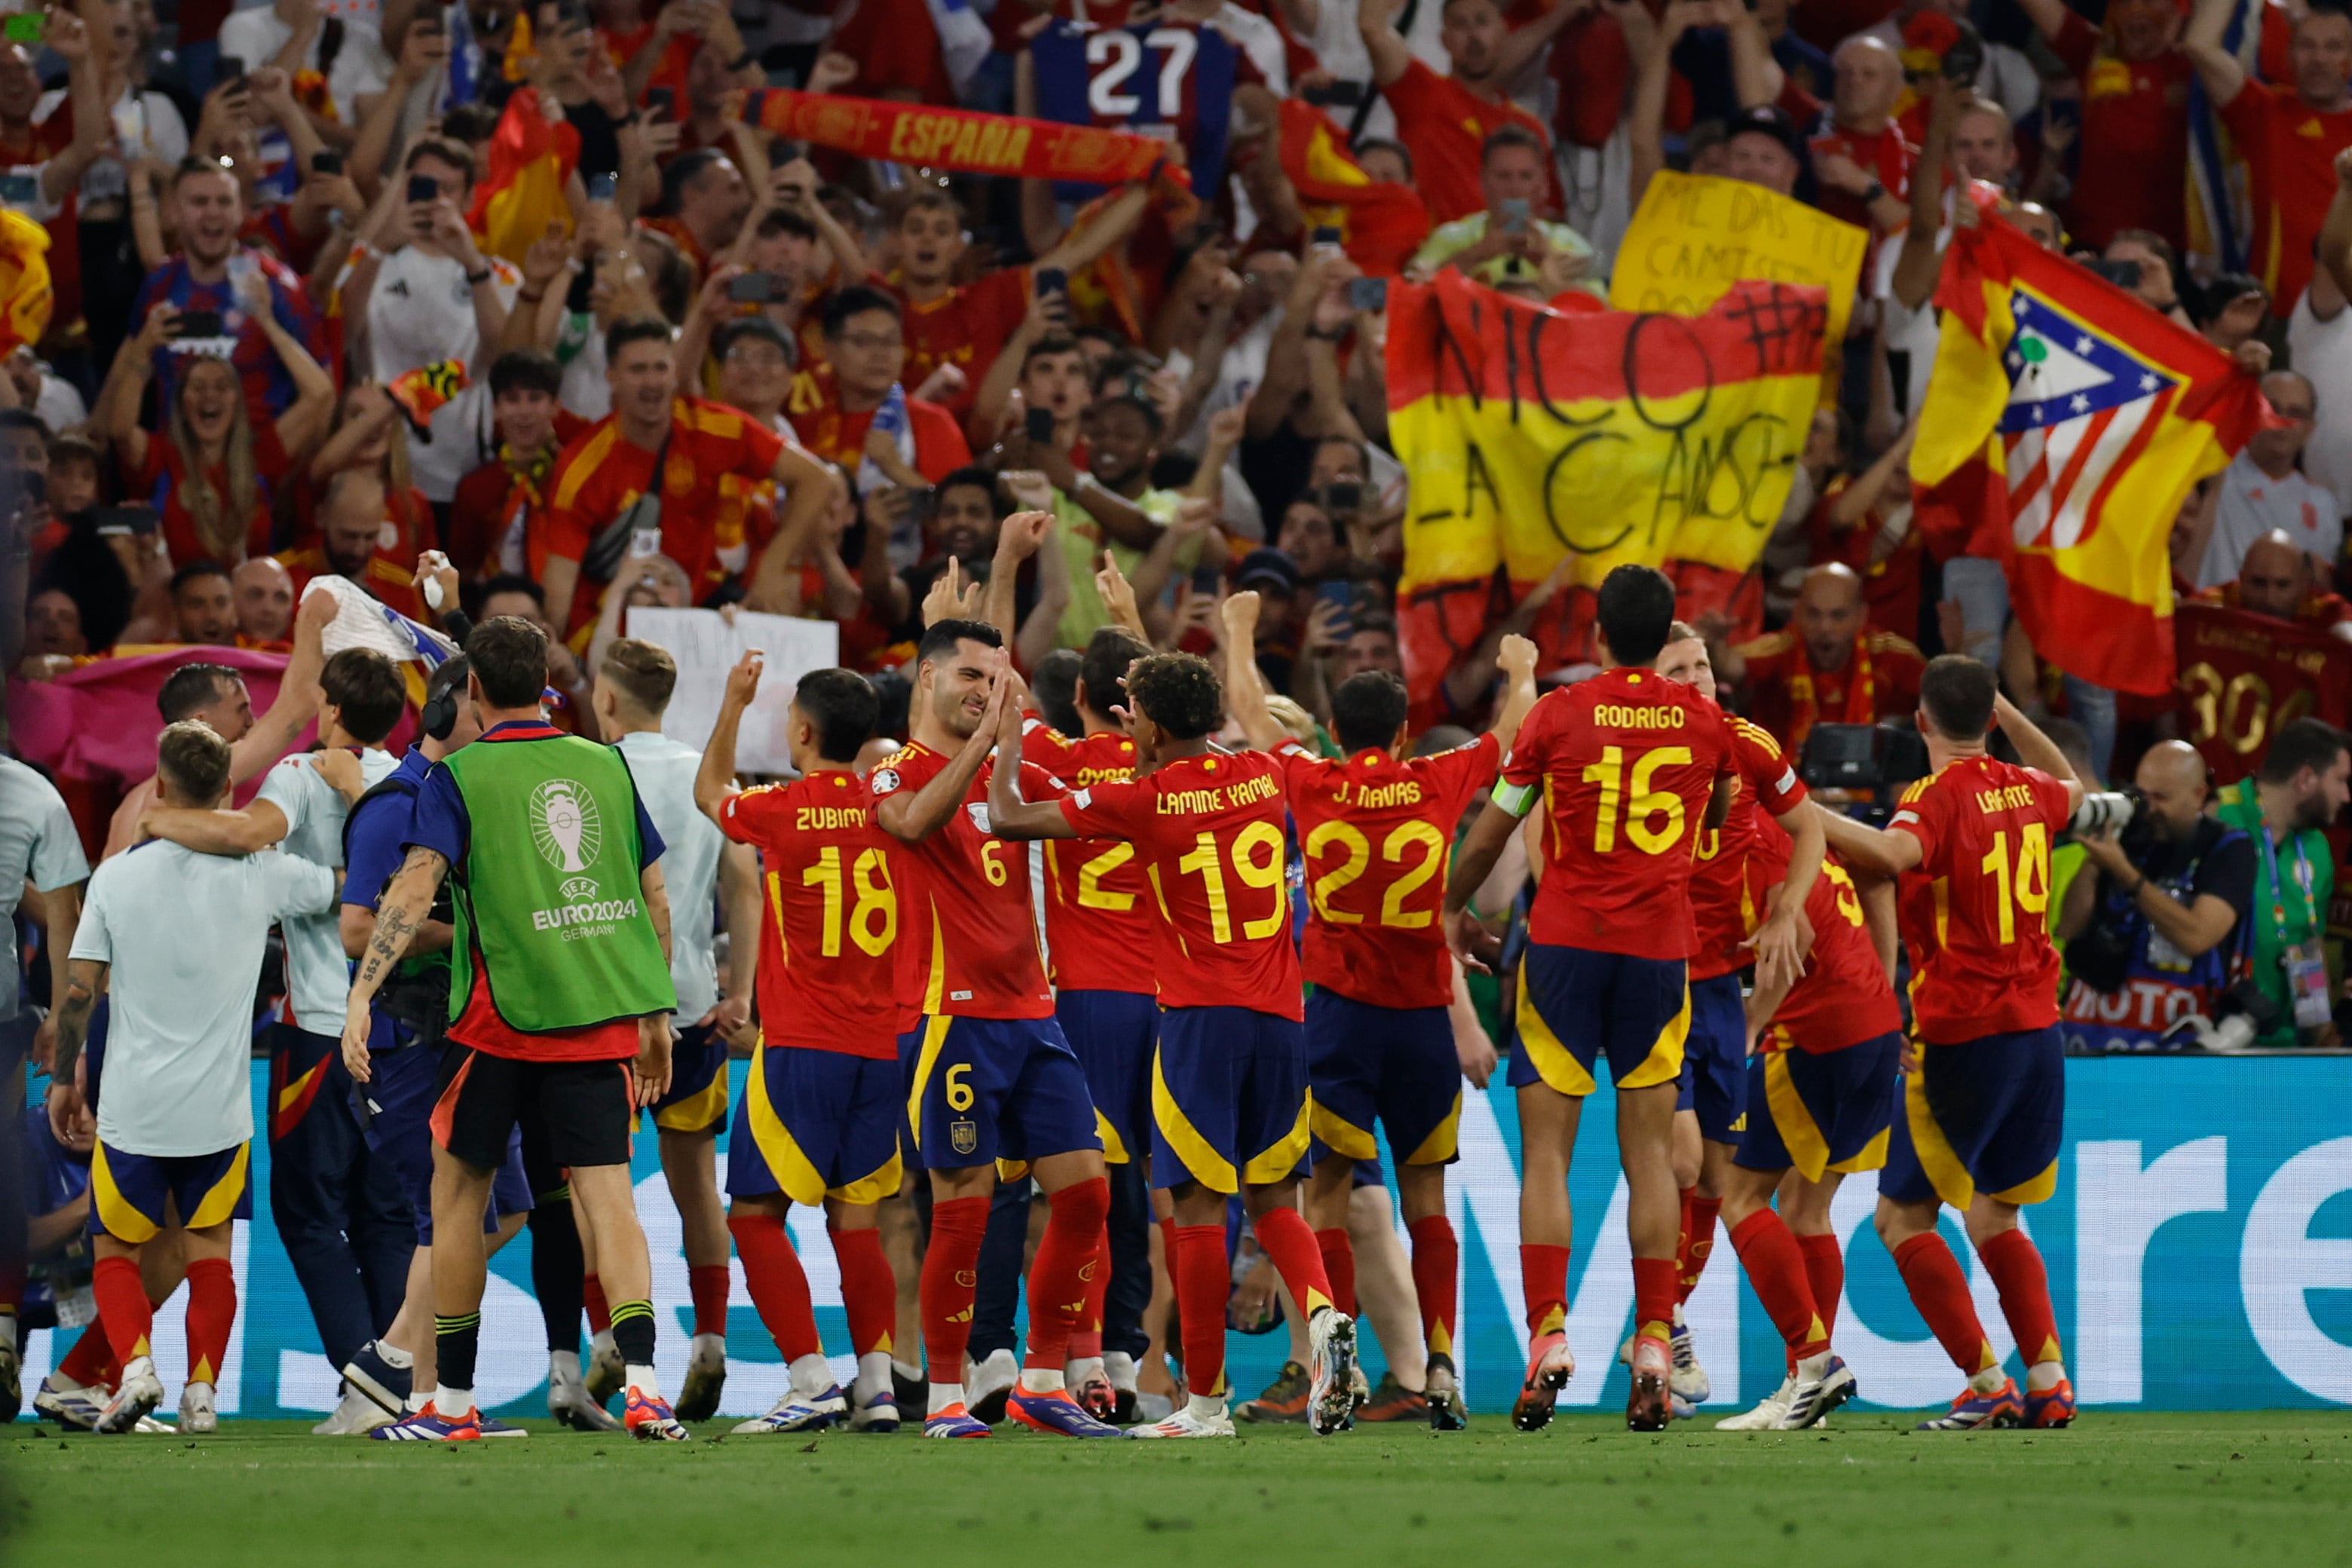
<point x="24" y="297"/>
<point x="529" y="160"/>
<point x="1381" y="223"/>
<point x="1536" y="440"/>
<point x="2061" y="429"/>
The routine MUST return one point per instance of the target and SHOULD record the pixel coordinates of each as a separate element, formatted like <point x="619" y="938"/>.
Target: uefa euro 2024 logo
<point x="565" y="825"/>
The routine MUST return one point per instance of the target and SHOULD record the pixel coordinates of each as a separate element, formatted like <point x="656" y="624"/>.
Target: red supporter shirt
<point x="600" y="474"/>
<point x="1444" y="126"/>
<point x="2290" y="151"/>
<point x="1209" y="832"/>
<point x="163" y="485"/>
<point x="837" y="436"/>
<point x="964" y="327"/>
<point x="1788" y="696"/>
<point x="393" y="587"/>
<point x="1975" y="913"/>
<point x="1377" y="833"/>
<point x="1098" y="909"/>
<point x="828" y="974"/>
<point x="1885" y="154"/>
<point x="1843" y="997"/>
<point x="1624" y="764"/>
<point x="1727" y="872"/>
<point x="967" y="944"/>
<point x="2132" y="169"/>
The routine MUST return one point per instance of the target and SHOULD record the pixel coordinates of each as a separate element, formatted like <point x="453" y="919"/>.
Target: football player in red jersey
<point x="1097" y="933"/>
<point x="1728" y="906"/>
<point x="1376" y="829"/>
<point x="818" y="1123"/>
<point x="1985" y="1087"/>
<point x="1229" y="1085"/>
<point x="988" y="1074"/>
<point x="1629" y="767"/>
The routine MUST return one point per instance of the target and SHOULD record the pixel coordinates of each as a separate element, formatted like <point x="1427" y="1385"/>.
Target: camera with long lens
<point x="2240" y="1016"/>
<point x="2108" y="811"/>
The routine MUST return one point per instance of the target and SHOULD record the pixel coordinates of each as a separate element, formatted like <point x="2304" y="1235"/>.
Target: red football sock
<point x="1284" y="1234"/>
<point x="1698" y="1240"/>
<point x="1940" y="1291"/>
<point x="592" y="1296"/>
<point x="1086" y="1341"/>
<point x="1202" y="1284"/>
<point x="91" y="1361"/>
<point x="1059" y="1285"/>
<point x="778" y="1285"/>
<point x="1777" y="1269"/>
<point x="2015" y="1265"/>
<point x="1825" y="1271"/>
<point x="950" y="1273"/>
<point x="1656" y="1288"/>
<point x="1436" y="1259"/>
<point x="707" y="1284"/>
<point x="123" y="1309"/>
<point x="1543" y="1277"/>
<point x="1339" y="1267"/>
<point x="869" y="1290"/>
<point x="212" y="1313"/>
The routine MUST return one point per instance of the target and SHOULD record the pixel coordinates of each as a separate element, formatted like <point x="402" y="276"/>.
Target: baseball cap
<point x="1767" y="120"/>
<point x="1268" y="567"/>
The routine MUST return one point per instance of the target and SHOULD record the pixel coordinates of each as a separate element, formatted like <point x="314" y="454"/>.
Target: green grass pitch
<point x="2191" y="1488"/>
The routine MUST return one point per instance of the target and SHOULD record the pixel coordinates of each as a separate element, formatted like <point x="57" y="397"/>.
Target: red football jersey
<point x="1097" y="906"/>
<point x="1208" y="830"/>
<point x="1378" y="832"/>
<point x="1843" y="997"/>
<point x="970" y="945"/>
<point x="1726" y="905"/>
<point x="1624" y="764"/>
<point x="828" y="974"/>
<point x="1975" y="913"/>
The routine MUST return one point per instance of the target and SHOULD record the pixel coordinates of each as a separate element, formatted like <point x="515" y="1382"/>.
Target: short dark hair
<point x="367" y="692"/>
<point x="526" y="370"/>
<point x="189" y="168"/>
<point x="2311" y="743"/>
<point x="195" y="570"/>
<point x="973" y="475"/>
<point x="24" y="419"/>
<point x="1140" y="408"/>
<point x="729" y="333"/>
<point x="1379" y="621"/>
<point x="468" y="123"/>
<point x="190" y="687"/>
<point x="508" y="656"/>
<point x="845" y="708"/>
<point x="192" y="758"/>
<point x="1178" y="691"/>
<point x="1382" y="144"/>
<point x="630" y="330"/>
<point x="1510" y="136"/>
<point x="940" y="637"/>
<point x="73" y="447"/>
<point x="456" y="155"/>
<point x="932" y="197"/>
<point x="1051" y="343"/>
<point x="855" y="300"/>
<point x="514" y="582"/>
<point x="782" y="222"/>
<point x="1111" y="655"/>
<point x="682" y="170"/>
<point x="1367" y="711"/>
<point x="1636" y="612"/>
<point x="1957" y="694"/>
<point x="642" y="671"/>
<point x="1055" y="684"/>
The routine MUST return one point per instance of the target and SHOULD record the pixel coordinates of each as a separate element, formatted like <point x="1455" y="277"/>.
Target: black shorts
<point x="581" y="1112"/>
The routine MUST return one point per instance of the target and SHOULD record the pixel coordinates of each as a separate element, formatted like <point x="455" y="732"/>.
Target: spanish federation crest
<point x="565" y="825"/>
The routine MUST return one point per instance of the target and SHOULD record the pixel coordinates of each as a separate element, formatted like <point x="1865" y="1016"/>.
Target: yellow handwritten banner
<point x="1694" y="236"/>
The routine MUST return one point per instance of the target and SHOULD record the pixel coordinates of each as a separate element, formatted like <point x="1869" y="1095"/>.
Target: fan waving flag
<point x="2061" y="429"/>
<point x="530" y="157"/>
<point x="1381" y="223"/>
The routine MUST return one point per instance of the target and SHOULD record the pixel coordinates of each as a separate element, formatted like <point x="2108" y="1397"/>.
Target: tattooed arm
<point x="85" y="978"/>
<point x="399" y="916"/>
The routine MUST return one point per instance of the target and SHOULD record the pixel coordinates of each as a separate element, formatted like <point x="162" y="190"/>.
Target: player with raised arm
<point x="1770" y="828"/>
<point x="819" y="1121"/>
<point x="1377" y="828"/>
<point x="988" y="1074"/>
<point x="1229" y="1085"/>
<point x="1629" y="767"/>
<point x="1985" y="1078"/>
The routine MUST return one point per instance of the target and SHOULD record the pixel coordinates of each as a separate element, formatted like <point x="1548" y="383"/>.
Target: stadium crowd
<point x="394" y="353"/>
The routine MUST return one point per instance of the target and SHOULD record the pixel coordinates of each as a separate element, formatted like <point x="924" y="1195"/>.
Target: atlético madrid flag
<point x="2063" y="427"/>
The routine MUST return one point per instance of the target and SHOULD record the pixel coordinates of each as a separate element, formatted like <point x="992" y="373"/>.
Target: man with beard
<point x="351" y="520"/>
<point x="264" y="592"/>
<point x="2286" y="808"/>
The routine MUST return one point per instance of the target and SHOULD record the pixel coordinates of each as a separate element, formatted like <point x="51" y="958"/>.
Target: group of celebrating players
<point x="1156" y="1044"/>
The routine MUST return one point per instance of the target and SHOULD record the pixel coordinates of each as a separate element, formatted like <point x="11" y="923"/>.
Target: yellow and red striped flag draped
<point x="529" y="160"/>
<point x="1381" y="223"/>
<point x="24" y="297"/>
<point x="1599" y="438"/>
<point x="2061" y="429"/>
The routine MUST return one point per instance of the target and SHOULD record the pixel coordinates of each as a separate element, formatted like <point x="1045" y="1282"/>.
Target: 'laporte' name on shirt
<point x="2009" y="797"/>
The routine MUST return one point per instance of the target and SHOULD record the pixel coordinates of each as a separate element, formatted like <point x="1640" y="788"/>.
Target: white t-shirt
<point x="359" y="64"/>
<point x="185" y="933"/>
<point x="580" y="346"/>
<point x="37" y="843"/>
<point x="420" y="312"/>
<point x="2321" y="352"/>
<point x="2252" y="503"/>
<point x="318" y="974"/>
<point x="691" y="843"/>
<point x="144" y="124"/>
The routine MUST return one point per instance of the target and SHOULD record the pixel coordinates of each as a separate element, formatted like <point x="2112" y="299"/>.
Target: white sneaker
<point x="1331" y="1371"/>
<point x="1688" y="1380"/>
<point x="149" y="1427"/>
<point x="139" y="1392"/>
<point x="196" y="1408"/>
<point x="356" y="1417"/>
<point x="987" y="1383"/>
<point x="1823" y="1384"/>
<point x="606" y="1372"/>
<point x="568" y="1399"/>
<point x="1190" y="1422"/>
<point x="1767" y="1415"/>
<point x="797" y="1412"/>
<point x="705" y="1375"/>
<point x="68" y="1404"/>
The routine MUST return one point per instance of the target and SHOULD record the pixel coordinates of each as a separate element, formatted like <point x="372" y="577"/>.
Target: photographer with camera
<point x="2154" y="925"/>
<point x="2286" y="807"/>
